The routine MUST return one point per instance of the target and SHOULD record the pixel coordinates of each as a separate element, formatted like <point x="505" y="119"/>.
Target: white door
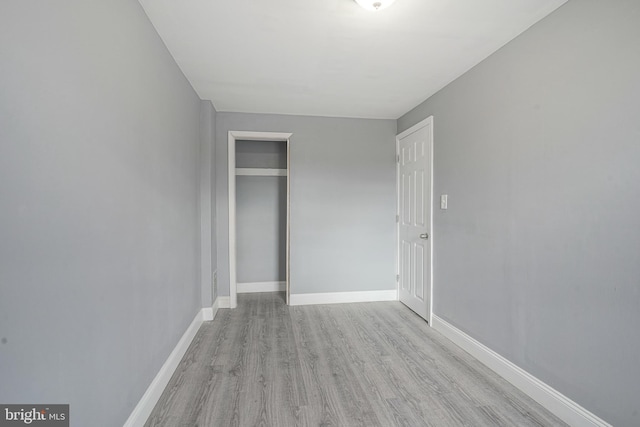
<point x="414" y="217"/>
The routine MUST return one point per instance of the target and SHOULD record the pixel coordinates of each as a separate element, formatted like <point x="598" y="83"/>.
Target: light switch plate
<point x="443" y="201"/>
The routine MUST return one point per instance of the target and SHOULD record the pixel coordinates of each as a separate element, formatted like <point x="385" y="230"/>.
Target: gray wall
<point x="342" y="200"/>
<point x="261" y="213"/>
<point x="261" y="228"/>
<point x="538" y="255"/>
<point x="208" y="256"/>
<point x="99" y="223"/>
<point x="261" y="154"/>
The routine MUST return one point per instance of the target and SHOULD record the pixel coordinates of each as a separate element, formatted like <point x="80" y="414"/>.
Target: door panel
<point x="419" y="197"/>
<point x="405" y="275"/>
<point x="415" y="207"/>
<point x="406" y="199"/>
<point x="419" y="271"/>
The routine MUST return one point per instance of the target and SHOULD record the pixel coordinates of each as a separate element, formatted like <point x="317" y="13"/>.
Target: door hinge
<point x="397" y="277"/>
<point x="397" y="218"/>
<point x="397" y="158"/>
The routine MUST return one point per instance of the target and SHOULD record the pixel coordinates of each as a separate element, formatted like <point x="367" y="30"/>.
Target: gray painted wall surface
<point x="208" y="257"/>
<point x="538" y="255"/>
<point x="261" y="154"/>
<point x="261" y="224"/>
<point x="342" y="200"/>
<point x="99" y="223"/>
<point x="261" y="212"/>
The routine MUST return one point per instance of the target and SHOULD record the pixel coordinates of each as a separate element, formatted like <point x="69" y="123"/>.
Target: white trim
<point x="214" y="308"/>
<point x="143" y="409"/>
<point x="209" y="313"/>
<point x="554" y="401"/>
<point x="231" y="177"/>
<point x="260" y="136"/>
<point x="426" y="122"/>
<point x="260" y="172"/>
<point x="398" y="217"/>
<point x="223" y="302"/>
<point x="252" y="287"/>
<point x="343" y="297"/>
<point x="232" y="220"/>
<point x="287" y="279"/>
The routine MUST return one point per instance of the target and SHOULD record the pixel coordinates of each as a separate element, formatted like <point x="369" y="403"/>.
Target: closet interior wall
<point x="261" y="215"/>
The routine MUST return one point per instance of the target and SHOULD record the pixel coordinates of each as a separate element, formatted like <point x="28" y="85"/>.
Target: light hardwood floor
<point x="367" y="364"/>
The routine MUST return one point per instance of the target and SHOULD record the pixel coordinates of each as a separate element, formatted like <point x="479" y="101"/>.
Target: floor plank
<point x="368" y="364"/>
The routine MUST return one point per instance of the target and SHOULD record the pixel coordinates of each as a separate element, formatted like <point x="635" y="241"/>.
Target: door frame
<point x="233" y="136"/>
<point x="426" y="122"/>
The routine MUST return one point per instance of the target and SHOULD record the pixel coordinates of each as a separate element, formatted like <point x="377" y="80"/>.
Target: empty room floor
<point x="368" y="364"/>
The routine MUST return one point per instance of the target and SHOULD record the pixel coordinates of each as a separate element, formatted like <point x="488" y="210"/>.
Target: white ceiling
<point x="331" y="57"/>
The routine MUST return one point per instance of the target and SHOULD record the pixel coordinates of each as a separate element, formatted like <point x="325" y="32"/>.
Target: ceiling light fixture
<point x="374" y="4"/>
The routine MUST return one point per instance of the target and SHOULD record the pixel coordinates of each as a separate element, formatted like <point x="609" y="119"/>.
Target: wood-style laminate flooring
<point x="367" y="364"/>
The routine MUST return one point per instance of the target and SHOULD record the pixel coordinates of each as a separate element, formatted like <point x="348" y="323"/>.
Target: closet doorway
<point x="258" y="165"/>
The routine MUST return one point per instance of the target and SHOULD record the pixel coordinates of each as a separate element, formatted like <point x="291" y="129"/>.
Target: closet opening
<point x="259" y="217"/>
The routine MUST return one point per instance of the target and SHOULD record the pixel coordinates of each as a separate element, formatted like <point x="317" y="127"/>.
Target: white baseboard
<point x="343" y="297"/>
<point x="246" y="288"/>
<point x="150" y="397"/>
<point x="557" y="403"/>
<point x="214" y="308"/>
<point x="209" y="313"/>
<point x="223" y="302"/>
